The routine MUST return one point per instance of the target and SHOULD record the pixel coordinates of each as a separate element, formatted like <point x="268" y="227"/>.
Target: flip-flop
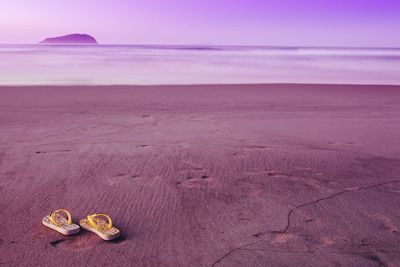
<point x="61" y="223"/>
<point x="100" y="227"/>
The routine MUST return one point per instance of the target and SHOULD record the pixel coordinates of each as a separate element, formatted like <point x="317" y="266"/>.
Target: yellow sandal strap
<point x="53" y="214"/>
<point x="95" y="225"/>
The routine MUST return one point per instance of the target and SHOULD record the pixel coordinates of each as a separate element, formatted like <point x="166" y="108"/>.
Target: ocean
<point x="168" y="64"/>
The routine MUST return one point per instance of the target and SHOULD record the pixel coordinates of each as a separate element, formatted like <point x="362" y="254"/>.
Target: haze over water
<point x="145" y="65"/>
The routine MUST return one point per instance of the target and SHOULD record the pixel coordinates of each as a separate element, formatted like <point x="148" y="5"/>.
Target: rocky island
<point x="70" y="39"/>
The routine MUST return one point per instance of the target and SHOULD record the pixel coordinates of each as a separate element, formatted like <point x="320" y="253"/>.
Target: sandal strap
<point x="92" y="222"/>
<point x="54" y="213"/>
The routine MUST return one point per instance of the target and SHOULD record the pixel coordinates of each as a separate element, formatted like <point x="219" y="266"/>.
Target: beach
<point x="202" y="175"/>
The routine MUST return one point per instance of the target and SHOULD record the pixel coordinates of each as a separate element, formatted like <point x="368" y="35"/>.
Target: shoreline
<point x="201" y="85"/>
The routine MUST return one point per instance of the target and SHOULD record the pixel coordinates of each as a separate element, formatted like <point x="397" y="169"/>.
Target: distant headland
<point x="71" y="39"/>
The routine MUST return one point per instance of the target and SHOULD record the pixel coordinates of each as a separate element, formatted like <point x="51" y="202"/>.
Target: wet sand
<point x="235" y="175"/>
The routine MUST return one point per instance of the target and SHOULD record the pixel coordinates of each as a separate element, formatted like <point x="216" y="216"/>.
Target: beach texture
<point x="234" y="175"/>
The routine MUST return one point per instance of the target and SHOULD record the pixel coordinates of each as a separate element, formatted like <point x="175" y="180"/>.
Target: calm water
<point x="112" y="64"/>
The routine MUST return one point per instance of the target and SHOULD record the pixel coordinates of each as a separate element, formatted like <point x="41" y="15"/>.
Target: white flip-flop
<point x="100" y="227"/>
<point x="61" y="223"/>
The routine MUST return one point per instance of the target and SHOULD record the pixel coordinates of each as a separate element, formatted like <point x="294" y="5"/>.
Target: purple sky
<point x="242" y="22"/>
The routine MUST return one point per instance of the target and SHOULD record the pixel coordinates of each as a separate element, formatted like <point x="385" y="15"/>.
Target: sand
<point x="235" y="175"/>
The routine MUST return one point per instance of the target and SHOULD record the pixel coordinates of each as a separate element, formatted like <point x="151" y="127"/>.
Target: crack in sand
<point x="280" y="251"/>
<point x="233" y="250"/>
<point x="290" y="214"/>
<point x="330" y="197"/>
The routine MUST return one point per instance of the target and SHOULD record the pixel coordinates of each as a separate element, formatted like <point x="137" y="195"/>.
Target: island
<point x="71" y="39"/>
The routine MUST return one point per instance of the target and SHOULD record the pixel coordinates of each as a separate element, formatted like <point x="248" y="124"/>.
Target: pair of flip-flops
<point x="93" y="223"/>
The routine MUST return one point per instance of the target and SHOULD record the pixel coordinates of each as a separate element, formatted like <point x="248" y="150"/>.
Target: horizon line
<point x="202" y="45"/>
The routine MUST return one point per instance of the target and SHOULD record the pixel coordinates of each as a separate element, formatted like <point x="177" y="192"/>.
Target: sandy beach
<point x="228" y="175"/>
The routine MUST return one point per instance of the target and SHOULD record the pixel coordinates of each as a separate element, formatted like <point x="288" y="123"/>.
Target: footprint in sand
<point x="142" y="145"/>
<point x="326" y="241"/>
<point x="386" y="222"/>
<point x="54" y="151"/>
<point x="311" y="181"/>
<point x="253" y="147"/>
<point x="268" y="173"/>
<point x="196" y="181"/>
<point x="282" y="238"/>
<point x="340" y="143"/>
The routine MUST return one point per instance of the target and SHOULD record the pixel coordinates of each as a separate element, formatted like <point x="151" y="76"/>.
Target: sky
<point x="358" y="23"/>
